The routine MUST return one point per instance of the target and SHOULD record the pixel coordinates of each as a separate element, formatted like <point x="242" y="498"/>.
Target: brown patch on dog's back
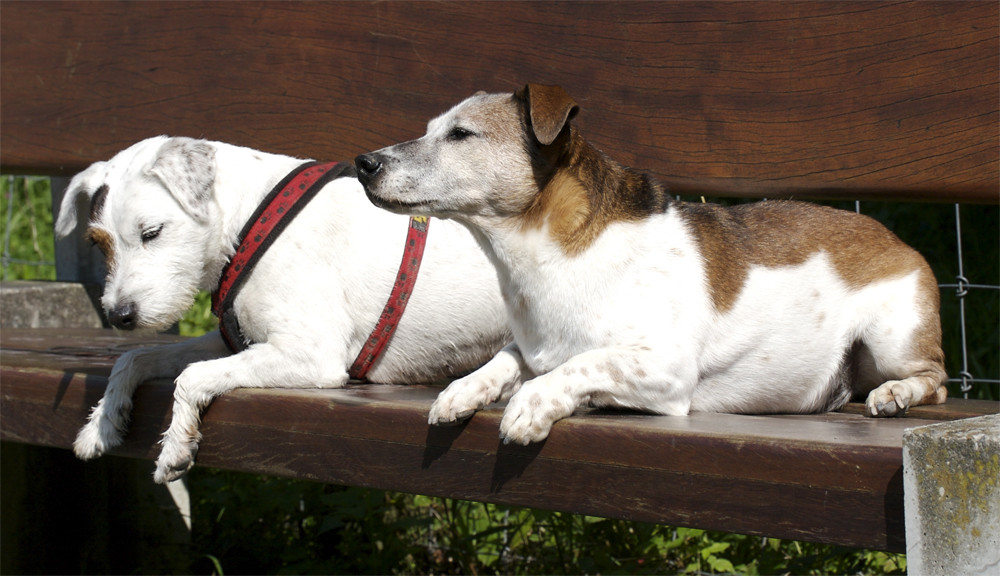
<point x="775" y="234"/>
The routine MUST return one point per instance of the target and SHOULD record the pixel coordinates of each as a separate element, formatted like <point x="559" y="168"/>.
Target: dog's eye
<point x="151" y="233"/>
<point x="458" y="134"/>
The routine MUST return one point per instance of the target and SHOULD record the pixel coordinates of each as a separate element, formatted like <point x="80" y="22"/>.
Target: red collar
<point x="274" y="213"/>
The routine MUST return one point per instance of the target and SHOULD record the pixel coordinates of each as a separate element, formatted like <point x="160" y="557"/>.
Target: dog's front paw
<point x="96" y="437"/>
<point x="461" y="399"/>
<point x="176" y="458"/>
<point x="530" y="415"/>
<point x="890" y="399"/>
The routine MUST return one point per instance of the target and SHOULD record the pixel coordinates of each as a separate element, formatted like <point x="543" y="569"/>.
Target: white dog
<point x="620" y="296"/>
<point x="167" y="213"/>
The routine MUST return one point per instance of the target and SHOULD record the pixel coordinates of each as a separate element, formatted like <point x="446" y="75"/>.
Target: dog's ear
<point x="85" y="188"/>
<point x="550" y="109"/>
<point x="187" y="168"/>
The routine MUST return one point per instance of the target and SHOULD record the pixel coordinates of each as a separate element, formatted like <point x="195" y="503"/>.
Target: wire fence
<point x="28" y="246"/>
<point x="962" y="288"/>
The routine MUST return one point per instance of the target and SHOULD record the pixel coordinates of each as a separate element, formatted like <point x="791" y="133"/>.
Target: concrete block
<point x="951" y="483"/>
<point x="39" y="304"/>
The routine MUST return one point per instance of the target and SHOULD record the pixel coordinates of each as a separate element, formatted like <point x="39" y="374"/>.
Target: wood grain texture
<point x="830" y="478"/>
<point x="810" y="99"/>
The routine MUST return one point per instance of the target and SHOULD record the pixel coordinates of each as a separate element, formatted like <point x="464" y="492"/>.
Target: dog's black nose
<point x="368" y="166"/>
<point x="124" y="316"/>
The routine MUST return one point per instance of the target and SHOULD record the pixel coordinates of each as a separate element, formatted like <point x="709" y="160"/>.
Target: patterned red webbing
<point x="278" y="209"/>
<point x="416" y="238"/>
<point x="274" y="213"/>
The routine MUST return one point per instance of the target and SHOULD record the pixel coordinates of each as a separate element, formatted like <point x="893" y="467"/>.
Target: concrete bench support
<point x="951" y="483"/>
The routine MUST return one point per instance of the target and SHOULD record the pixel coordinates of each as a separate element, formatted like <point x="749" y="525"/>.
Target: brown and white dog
<point x="620" y="296"/>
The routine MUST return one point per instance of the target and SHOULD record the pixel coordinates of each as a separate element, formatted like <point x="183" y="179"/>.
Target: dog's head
<point x="151" y="211"/>
<point x="486" y="157"/>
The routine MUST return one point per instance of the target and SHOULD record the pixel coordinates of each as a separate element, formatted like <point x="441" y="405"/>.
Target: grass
<point x="257" y="524"/>
<point x="247" y="524"/>
<point x="26" y="229"/>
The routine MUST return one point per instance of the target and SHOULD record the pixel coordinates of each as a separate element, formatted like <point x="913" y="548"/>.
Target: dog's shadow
<point x="439" y="440"/>
<point x="509" y="463"/>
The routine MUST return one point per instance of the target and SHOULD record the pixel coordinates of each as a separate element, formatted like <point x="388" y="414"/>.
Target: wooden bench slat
<point x="830" y="478"/>
<point x="815" y="99"/>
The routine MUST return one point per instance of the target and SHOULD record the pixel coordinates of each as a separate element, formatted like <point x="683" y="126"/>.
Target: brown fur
<point x="784" y="233"/>
<point x="102" y="239"/>
<point x="99" y="236"/>
<point x="581" y="191"/>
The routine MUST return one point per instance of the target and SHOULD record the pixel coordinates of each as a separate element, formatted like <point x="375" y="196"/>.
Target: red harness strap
<point x="274" y="213"/>
<point x="279" y="207"/>
<point x="416" y="238"/>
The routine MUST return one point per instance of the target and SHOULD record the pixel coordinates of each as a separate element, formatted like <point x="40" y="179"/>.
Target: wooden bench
<point x="758" y="99"/>
<point x="830" y="478"/>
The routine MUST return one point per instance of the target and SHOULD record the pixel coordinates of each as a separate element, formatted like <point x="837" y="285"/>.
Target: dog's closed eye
<point x="458" y="134"/>
<point x="150" y="234"/>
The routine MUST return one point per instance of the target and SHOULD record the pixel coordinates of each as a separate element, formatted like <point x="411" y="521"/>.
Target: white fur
<point x="309" y="305"/>
<point x="629" y="321"/>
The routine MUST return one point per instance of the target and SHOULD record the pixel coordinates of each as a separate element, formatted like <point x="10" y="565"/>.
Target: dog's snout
<point x="124" y="317"/>
<point x="368" y="166"/>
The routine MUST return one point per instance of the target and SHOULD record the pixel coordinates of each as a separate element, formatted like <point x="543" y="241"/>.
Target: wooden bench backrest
<point x="849" y="99"/>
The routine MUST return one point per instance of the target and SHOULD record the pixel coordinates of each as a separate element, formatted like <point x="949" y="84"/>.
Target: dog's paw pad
<point x="458" y="402"/>
<point x="166" y="474"/>
<point x="528" y="419"/>
<point x="888" y="400"/>
<point x="175" y="459"/>
<point x="95" y="438"/>
<point x="86" y="446"/>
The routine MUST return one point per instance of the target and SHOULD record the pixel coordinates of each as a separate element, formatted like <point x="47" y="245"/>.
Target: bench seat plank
<point x="831" y="478"/>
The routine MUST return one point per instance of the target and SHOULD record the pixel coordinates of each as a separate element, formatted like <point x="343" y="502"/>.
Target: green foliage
<point x="28" y="241"/>
<point x="246" y="524"/>
<point x="199" y="319"/>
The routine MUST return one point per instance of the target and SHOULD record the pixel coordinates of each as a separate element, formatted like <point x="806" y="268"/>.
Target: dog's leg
<point x="608" y="377"/>
<point x="108" y="420"/>
<point x="911" y="360"/>
<point x="916" y="374"/>
<point x="496" y="380"/>
<point x="274" y="364"/>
